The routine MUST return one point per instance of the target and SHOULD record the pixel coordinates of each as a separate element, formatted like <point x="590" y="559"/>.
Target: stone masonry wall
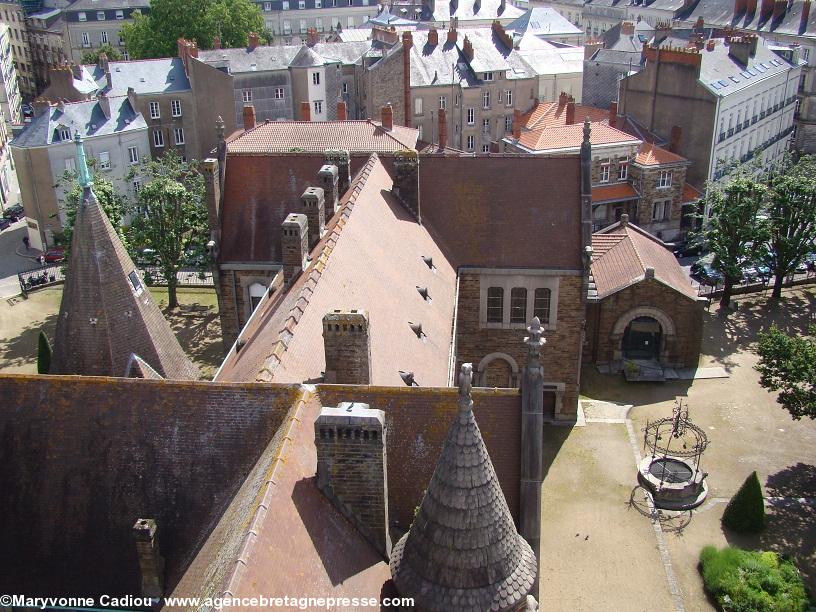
<point x="233" y="302"/>
<point x="650" y="193"/>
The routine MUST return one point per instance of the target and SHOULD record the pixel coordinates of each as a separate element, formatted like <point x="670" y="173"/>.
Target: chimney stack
<point x="467" y="49"/>
<point x="109" y="80"/>
<point x="516" y="124"/>
<point x="443" y="128"/>
<point x="433" y="37"/>
<point x="740" y="49"/>
<point x="562" y="98"/>
<point x="613" y="114"/>
<point x="627" y="28"/>
<point x="151" y="563"/>
<point x="253" y="41"/>
<point x="591" y="46"/>
<point x="328" y="176"/>
<point x="341" y="159"/>
<point x="740" y="6"/>
<point x="805" y="15"/>
<point x="751" y="7"/>
<point x="779" y="8"/>
<point x="348" y="347"/>
<point x="212" y="194"/>
<point x="314" y="207"/>
<point x="311" y="37"/>
<point x="103" y="63"/>
<point x="406" y="181"/>
<point x="76" y="70"/>
<point x="452" y="34"/>
<point x="766" y="9"/>
<point x="305" y="111"/>
<point x="624" y="220"/>
<point x="387" y="117"/>
<point x="710" y="44"/>
<point x="249" y="116"/>
<point x="294" y="246"/>
<point x="216" y="42"/>
<point x="342" y="110"/>
<point x="351" y="468"/>
<point x="674" y="138"/>
<point x="104" y="104"/>
<point x="570" y="112"/>
<point x="40" y="106"/>
<point x="407" y="43"/>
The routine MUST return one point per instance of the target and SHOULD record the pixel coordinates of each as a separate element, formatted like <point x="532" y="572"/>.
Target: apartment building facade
<point x="10" y="99"/>
<point x="46" y="36"/>
<point x="91" y="24"/>
<point x="13" y="15"/>
<point x="290" y="20"/>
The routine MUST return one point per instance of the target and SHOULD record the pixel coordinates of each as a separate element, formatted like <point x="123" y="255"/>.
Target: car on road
<point x="55" y="255"/>
<point x="4" y="223"/>
<point x="14" y="213"/>
<point x="703" y="271"/>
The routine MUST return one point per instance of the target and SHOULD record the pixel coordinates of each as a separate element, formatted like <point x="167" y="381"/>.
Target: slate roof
<point x="370" y="259"/>
<point x="107" y="313"/>
<point x="543" y="21"/>
<point x="85" y="118"/>
<point x="544" y="61"/>
<point x="150" y="76"/>
<point x="386" y="18"/>
<point x="720" y="13"/>
<point x="265" y="58"/>
<point x="98" y="5"/>
<point x="613" y="39"/>
<point x="621" y="254"/>
<point x="311" y="136"/>
<point x="463" y="551"/>
<point x="466" y="10"/>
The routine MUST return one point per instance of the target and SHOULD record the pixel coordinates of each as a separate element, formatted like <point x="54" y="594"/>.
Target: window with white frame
<point x="285" y="5"/>
<point x="470" y="143"/>
<point x="661" y="210"/>
<point x="319" y="24"/>
<point x="256" y="294"/>
<point x="318" y="3"/>
<point x="471" y="116"/>
<point x="315" y="78"/>
<point x="287" y="25"/>
<point x="179" y="135"/>
<point x="70" y="164"/>
<point x="486" y="127"/>
<point x="417" y="106"/>
<point x="508" y="123"/>
<point x="279" y="93"/>
<point x="133" y="155"/>
<point x="456" y="100"/>
<point x="103" y="38"/>
<point x="665" y="179"/>
<point x="605" y="173"/>
<point x="104" y="160"/>
<point x="155" y="112"/>
<point x="303" y="26"/>
<point x="137" y="185"/>
<point x="267" y="6"/>
<point x="508" y="97"/>
<point x="82" y="16"/>
<point x="86" y="39"/>
<point x="350" y="19"/>
<point x="301" y="4"/>
<point x="486" y="99"/>
<point x="120" y="14"/>
<point x="500" y="96"/>
<point x="443" y="102"/>
<point x="100" y="15"/>
<point x="175" y="108"/>
<point x="246" y="95"/>
<point x="158" y="138"/>
<point x="485" y="148"/>
<point x="488" y="76"/>
<point x="64" y="133"/>
<point x="318" y="107"/>
<point x="623" y="171"/>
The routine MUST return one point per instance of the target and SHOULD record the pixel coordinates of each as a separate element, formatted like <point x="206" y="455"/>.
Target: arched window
<point x="256" y="293"/>
<point x="541" y="305"/>
<point x="495" y="304"/>
<point x="518" y="305"/>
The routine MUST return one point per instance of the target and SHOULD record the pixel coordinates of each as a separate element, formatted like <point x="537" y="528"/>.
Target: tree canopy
<point x="156" y="34"/>
<point x="788" y="364"/>
<point x="92" y="57"/>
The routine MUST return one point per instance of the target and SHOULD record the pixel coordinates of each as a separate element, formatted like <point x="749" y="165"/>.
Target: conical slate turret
<point x="106" y="312"/>
<point x="463" y="551"/>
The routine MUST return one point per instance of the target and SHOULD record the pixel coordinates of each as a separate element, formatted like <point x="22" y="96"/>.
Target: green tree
<point x="92" y="57"/>
<point x="43" y="354"/>
<point x="745" y="513"/>
<point x="732" y="233"/>
<point x="791" y="219"/>
<point x="156" y="34"/>
<point x="170" y="213"/>
<point x="788" y="364"/>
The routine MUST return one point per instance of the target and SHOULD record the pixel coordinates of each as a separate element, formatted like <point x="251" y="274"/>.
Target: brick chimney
<point x="294" y="246"/>
<point x="516" y="124"/>
<point x="467" y="49"/>
<point x="253" y="41"/>
<point x="40" y="105"/>
<point x="591" y="46"/>
<point x="710" y="44"/>
<point x="805" y="15"/>
<point x="740" y="6"/>
<point x="406" y="181"/>
<point x="314" y="207"/>
<point x="699" y="25"/>
<point x="328" y="177"/>
<point x="351" y="442"/>
<point x="104" y="104"/>
<point x="570" y="112"/>
<point x="452" y="34"/>
<point x="249" y="116"/>
<point x="103" y="62"/>
<point x="341" y="159"/>
<point x="387" y="117"/>
<point x="216" y="42"/>
<point x="311" y="37"/>
<point x="766" y="9"/>
<point x="674" y="138"/>
<point x="627" y="28"/>
<point x="443" y="128"/>
<point x="433" y="37"/>
<point x="347" y="347"/>
<point x="613" y="114"/>
<point x="305" y="111"/>
<point x="342" y="110"/>
<point x="407" y="43"/>
<point x="151" y="563"/>
<point x="562" y="98"/>
<point x="779" y="8"/>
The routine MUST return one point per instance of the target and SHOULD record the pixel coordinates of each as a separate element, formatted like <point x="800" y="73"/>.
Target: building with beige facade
<point x="46" y="36"/>
<point x="91" y="24"/>
<point x="10" y="99"/>
<point x="12" y="14"/>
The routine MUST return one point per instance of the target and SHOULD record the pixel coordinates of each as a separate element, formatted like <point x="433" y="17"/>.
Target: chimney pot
<point x="387" y="117"/>
<point x="649" y="272"/>
<point x="294" y="246"/>
<point x="305" y="111"/>
<point x="443" y="128"/>
<point x="253" y="41"/>
<point x="342" y="160"/>
<point x="433" y="37"/>
<point x="249" y="116"/>
<point x="627" y="28"/>
<point x="342" y="110"/>
<point x="347" y="346"/>
<point x="613" y="114"/>
<point x="570" y="113"/>
<point x="151" y="563"/>
<point x="329" y="177"/>
<point x="314" y="207"/>
<point x="624" y="220"/>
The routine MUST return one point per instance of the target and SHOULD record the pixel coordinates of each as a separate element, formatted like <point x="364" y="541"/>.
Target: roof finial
<point x="219" y="128"/>
<point x="83" y="174"/>
<point x="465" y="385"/>
<point x="587" y="129"/>
<point x="534" y="341"/>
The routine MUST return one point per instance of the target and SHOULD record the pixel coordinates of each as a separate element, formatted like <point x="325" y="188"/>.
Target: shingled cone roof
<point x="463" y="551"/>
<point x="106" y="312"/>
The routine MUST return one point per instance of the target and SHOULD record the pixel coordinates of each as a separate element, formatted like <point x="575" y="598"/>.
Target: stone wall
<point x="383" y="84"/>
<point x="232" y="288"/>
<point x="650" y="192"/>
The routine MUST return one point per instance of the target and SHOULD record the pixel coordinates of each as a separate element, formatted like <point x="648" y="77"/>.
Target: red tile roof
<point x="691" y="193"/>
<point x="551" y="114"/>
<point x="621" y="255"/>
<point x="652" y="155"/>
<point x="317" y="136"/>
<point x="571" y="136"/>
<point x="613" y="193"/>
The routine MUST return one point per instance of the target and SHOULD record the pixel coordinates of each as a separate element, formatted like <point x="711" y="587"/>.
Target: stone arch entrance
<point x="498" y="370"/>
<point x="643" y="333"/>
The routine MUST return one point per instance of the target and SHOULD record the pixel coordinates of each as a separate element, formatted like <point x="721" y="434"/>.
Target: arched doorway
<point x="642" y="338"/>
<point x="497" y="370"/>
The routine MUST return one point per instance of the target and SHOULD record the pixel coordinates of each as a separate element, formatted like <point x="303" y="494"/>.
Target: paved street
<point x="10" y="263"/>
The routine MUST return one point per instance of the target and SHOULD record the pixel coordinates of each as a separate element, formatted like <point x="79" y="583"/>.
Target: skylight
<point x="735" y="79"/>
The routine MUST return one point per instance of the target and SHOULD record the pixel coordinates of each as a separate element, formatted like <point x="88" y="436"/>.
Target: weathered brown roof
<point x="370" y="259"/>
<point x="107" y="313"/>
<point x="316" y="136"/>
<point x="613" y="193"/>
<point x="691" y="193"/>
<point x="623" y="252"/>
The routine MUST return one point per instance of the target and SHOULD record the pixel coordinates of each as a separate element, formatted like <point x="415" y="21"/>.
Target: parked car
<point x="14" y="213"/>
<point x="4" y="223"/>
<point x="691" y="246"/>
<point x="703" y="271"/>
<point x="55" y="255"/>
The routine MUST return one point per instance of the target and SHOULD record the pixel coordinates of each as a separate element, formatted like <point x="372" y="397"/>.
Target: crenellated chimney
<point x="433" y="37"/>
<point x="443" y="128"/>
<point x="342" y="159"/>
<point x="253" y="41"/>
<point x="249" y="116"/>
<point x="328" y="176"/>
<point x="627" y="28"/>
<point x="294" y="246"/>
<point x="104" y="104"/>
<point x="562" y="98"/>
<point x="569" y="116"/>
<point x="613" y="114"/>
<point x="103" y="62"/>
<point x="347" y="347"/>
<point x="387" y="117"/>
<point x="314" y="207"/>
<point x="406" y="181"/>
<point x="467" y="49"/>
<point x="766" y="9"/>
<point x="305" y="111"/>
<point x="342" y="110"/>
<point x="151" y="563"/>
<point x="452" y="34"/>
<point x="407" y="44"/>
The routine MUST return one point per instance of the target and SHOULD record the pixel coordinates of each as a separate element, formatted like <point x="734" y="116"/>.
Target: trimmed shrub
<point x="745" y="512"/>
<point x="43" y="354"/>
<point x="747" y="581"/>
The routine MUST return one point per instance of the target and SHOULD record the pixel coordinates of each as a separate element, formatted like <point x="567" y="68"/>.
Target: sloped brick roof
<point x="571" y="136"/>
<point x="550" y="114"/>
<point x="652" y="155"/>
<point x="621" y="255"/>
<point x="317" y="136"/>
<point x="613" y="193"/>
<point x="691" y="193"/>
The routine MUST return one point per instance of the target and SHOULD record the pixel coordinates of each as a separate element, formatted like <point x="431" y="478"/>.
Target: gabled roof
<point x="567" y="137"/>
<point x="464" y="11"/>
<point x="549" y="114"/>
<point x="317" y="136"/>
<point x="652" y="155"/>
<point x="369" y="259"/>
<point x="543" y="21"/>
<point x="621" y="254"/>
<point x="720" y="13"/>
<point x="149" y="76"/>
<point x="107" y="313"/>
<point x="691" y="193"/>
<point x="616" y="192"/>
<point x="306" y="58"/>
<point x="263" y="58"/>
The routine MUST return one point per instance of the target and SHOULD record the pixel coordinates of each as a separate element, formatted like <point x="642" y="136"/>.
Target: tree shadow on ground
<point x="198" y="329"/>
<point x="726" y="332"/>
<point x="20" y="352"/>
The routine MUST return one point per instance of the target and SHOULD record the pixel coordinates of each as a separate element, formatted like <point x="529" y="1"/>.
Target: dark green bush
<point x="745" y="512"/>
<point x="43" y="354"/>
<point x="746" y="581"/>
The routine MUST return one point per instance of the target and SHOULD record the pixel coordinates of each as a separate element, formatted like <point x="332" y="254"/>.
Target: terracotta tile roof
<point x="691" y="193"/>
<point x="652" y="155"/>
<point x="317" y="136"/>
<point x="571" y="136"/>
<point x="370" y="259"/>
<point x="621" y="255"/>
<point x="613" y="193"/>
<point x="550" y="114"/>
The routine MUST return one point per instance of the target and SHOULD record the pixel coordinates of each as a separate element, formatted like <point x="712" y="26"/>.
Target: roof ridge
<point x="635" y="248"/>
<point x="307" y="289"/>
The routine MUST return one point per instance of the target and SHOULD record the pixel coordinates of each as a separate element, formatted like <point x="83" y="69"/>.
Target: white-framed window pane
<point x="443" y="102"/>
<point x="508" y="97"/>
<point x="104" y="160"/>
<point x="100" y="15"/>
<point x="82" y="16"/>
<point x="103" y="38"/>
<point x="246" y="95"/>
<point x="350" y="20"/>
<point x="518" y="305"/>
<point x="120" y="14"/>
<point x="86" y="39"/>
<point x="495" y="304"/>
<point x="64" y="134"/>
<point x="508" y="123"/>
<point x="133" y="155"/>
<point x="175" y="108"/>
<point x="279" y="93"/>
<point x="623" y="171"/>
<point x="267" y="6"/>
<point x="485" y="148"/>
<point x="303" y="26"/>
<point x="470" y="142"/>
<point x="158" y="138"/>
<point x="137" y="185"/>
<point x="155" y="113"/>
<point x="179" y="134"/>
<point x="315" y="78"/>
<point x="471" y="116"/>
<point x="486" y="99"/>
<point x="318" y="107"/>
<point x="605" y="173"/>
<point x="319" y="24"/>
<point x="417" y="106"/>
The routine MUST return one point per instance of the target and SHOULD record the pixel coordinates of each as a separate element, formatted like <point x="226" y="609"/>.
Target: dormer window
<point x="64" y="133"/>
<point x="488" y="76"/>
